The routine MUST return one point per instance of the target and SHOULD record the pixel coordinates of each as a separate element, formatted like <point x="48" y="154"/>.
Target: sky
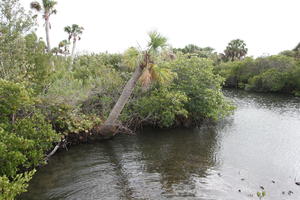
<point x="267" y="26"/>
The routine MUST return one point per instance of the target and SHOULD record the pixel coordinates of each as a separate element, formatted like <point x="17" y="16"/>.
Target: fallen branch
<point x="61" y="143"/>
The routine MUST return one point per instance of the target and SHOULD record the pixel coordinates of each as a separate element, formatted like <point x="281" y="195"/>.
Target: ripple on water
<point x="257" y="146"/>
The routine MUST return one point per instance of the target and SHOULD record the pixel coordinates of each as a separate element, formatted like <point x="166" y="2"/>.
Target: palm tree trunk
<point x="47" y="28"/>
<point x="128" y="89"/>
<point x="72" y="54"/>
<point x="73" y="50"/>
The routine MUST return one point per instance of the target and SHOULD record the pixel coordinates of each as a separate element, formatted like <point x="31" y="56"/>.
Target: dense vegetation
<point x="49" y="97"/>
<point x="277" y="73"/>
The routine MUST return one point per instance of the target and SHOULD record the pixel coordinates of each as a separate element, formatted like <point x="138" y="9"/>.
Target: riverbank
<point x="72" y="105"/>
<point x="211" y="162"/>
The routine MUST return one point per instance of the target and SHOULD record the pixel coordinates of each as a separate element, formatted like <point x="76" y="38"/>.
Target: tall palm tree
<point x="235" y="50"/>
<point x="74" y="32"/>
<point x="145" y="64"/>
<point x="47" y="9"/>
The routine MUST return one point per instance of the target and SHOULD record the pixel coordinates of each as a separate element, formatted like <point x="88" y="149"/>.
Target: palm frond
<point x="49" y="5"/>
<point x="162" y="75"/>
<point x="68" y="29"/>
<point x="131" y="58"/>
<point x="156" y="41"/>
<point x="74" y="31"/>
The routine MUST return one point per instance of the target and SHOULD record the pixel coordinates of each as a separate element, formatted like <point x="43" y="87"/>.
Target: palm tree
<point x="64" y="47"/>
<point x="153" y="72"/>
<point x="235" y="50"/>
<point x="145" y="62"/>
<point x="47" y="8"/>
<point x="74" y="32"/>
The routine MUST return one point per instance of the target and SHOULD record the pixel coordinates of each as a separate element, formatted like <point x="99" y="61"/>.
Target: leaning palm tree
<point x="145" y="66"/>
<point x="47" y="9"/>
<point x="74" y="32"/>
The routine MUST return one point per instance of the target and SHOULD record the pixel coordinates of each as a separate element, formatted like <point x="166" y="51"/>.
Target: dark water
<point x="258" y="144"/>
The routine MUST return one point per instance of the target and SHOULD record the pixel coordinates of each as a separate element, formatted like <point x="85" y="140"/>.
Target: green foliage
<point x="279" y="62"/>
<point x="235" y="50"/>
<point x="160" y="107"/>
<point x="101" y="81"/>
<point x="236" y="73"/>
<point x="295" y="80"/>
<point x="196" y="79"/>
<point x="269" y="81"/>
<point x="14" y="23"/>
<point x="63" y="48"/>
<point x="156" y="41"/>
<point x="36" y="129"/>
<point x="66" y="89"/>
<point x="194" y="50"/>
<point x="47" y="7"/>
<point x="39" y="73"/>
<point x="74" y="31"/>
<point x="277" y="73"/>
<point x="130" y="58"/>
<point x="23" y="58"/>
<point x="13" y="97"/>
<point x="66" y="120"/>
<point x="9" y="189"/>
<point x="194" y="94"/>
<point x="25" y="136"/>
<point x="288" y="53"/>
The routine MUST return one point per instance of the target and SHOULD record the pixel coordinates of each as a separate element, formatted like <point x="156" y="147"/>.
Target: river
<point x="256" y="148"/>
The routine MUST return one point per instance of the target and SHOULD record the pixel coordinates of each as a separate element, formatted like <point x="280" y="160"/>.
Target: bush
<point x="294" y="80"/>
<point x="194" y="94"/>
<point x="103" y="83"/>
<point x="277" y="73"/>
<point x="25" y="136"/>
<point x="159" y="108"/>
<point x="67" y="120"/>
<point x="13" y="97"/>
<point x="270" y="81"/>
<point x="10" y="188"/>
<point x="195" y="78"/>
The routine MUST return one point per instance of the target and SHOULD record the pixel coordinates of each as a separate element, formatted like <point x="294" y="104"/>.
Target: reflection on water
<point x="259" y="145"/>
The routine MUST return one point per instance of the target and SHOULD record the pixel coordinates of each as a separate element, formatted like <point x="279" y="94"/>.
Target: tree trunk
<point x="128" y="89"/>
<point x="73" y="49"/>
<point x="109" y="129"/>
<point x="72" y="55"/>
<point x="47" y="28"/>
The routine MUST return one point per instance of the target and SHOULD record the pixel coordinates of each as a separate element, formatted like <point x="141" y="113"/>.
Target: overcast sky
<point x="267" y="26"/>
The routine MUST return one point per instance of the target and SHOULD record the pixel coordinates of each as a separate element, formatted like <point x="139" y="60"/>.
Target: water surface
<point x="258" y="146"/>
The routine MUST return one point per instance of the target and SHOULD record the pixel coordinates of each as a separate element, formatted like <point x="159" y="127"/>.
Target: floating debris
<point x="297" y="183"/>
<point x="262" y="187"/>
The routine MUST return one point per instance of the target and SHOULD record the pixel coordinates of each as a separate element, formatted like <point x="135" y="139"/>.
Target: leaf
<point x="258" y="194"/>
